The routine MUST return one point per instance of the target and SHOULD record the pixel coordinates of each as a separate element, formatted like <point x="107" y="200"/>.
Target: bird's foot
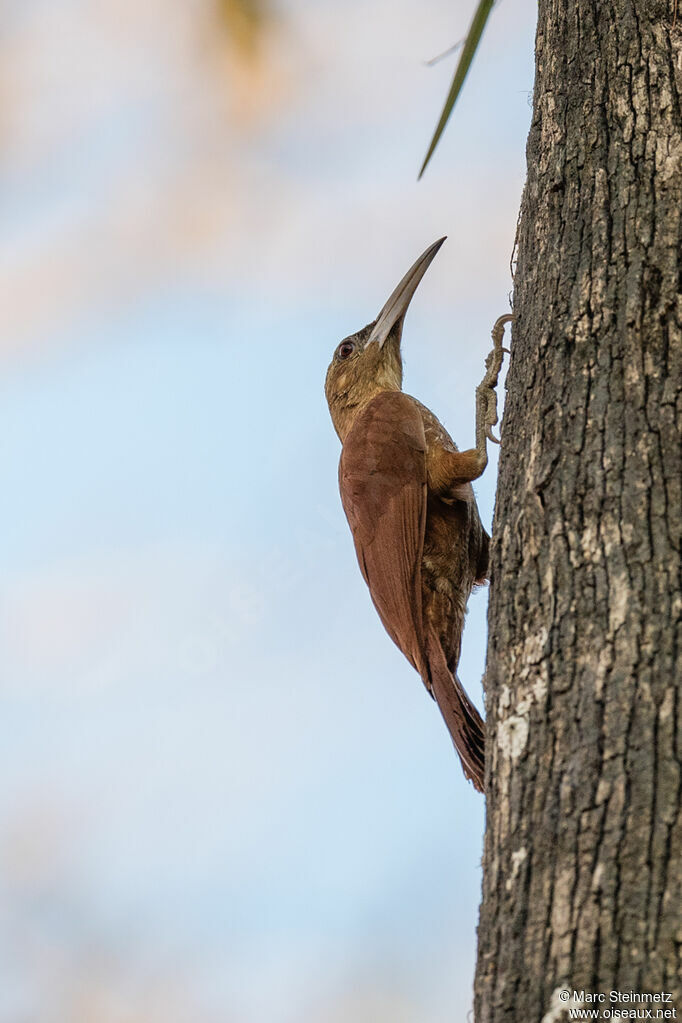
<point x="486" y="396"/>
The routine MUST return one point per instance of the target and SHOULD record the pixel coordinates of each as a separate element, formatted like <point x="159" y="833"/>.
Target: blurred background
<point x="225" y="795"/>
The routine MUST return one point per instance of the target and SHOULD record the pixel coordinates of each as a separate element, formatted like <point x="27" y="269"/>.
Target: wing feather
<point x="382" y="479"/>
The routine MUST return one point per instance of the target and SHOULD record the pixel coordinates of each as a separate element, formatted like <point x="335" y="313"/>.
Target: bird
<point x="406" y="492"/>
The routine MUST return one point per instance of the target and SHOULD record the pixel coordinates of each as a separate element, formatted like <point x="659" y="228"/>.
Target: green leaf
<point x="468" y="50"/>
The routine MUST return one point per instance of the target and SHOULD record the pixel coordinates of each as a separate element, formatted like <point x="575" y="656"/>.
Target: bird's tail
<point x="463" y="720"/>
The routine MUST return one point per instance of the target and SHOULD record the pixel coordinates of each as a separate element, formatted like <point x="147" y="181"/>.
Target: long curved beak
<point x="396" y="307"/>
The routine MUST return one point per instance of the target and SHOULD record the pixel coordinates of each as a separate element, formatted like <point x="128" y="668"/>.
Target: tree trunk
<point x="582" y="886"/>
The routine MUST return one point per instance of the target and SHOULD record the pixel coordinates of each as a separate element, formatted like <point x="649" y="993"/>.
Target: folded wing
<point x="382" y="478"/>
<point x="383" y="483"/>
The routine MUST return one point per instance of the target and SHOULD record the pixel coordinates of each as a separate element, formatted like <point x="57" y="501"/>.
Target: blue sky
<point x="225" y="794"/>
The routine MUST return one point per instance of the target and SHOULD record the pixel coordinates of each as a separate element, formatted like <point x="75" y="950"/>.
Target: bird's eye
<point x="346" y="349"/>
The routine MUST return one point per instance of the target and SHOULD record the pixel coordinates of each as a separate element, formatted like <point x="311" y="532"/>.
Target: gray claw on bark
<point x="486" y="396"/>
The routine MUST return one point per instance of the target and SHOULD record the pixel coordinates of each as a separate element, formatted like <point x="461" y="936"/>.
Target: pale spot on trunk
<point x="558" y="1009"/>
<point x="666" y="707"/>
<point x="512" y="736"/>
<point x="597" y="877"/>
<point x="619" y="594"/>
<point x="517" y="859"/>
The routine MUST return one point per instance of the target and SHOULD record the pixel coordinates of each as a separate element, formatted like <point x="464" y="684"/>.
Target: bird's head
<point x="369" y="362"/>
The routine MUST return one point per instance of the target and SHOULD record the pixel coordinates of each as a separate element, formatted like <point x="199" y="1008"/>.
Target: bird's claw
<point x="486" y="396"/>
<point x="497" y="333"/>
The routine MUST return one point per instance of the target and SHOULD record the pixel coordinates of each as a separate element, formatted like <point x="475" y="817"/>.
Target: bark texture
<point x="582" y="884"/>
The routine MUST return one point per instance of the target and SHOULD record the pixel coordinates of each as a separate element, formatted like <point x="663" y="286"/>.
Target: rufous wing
<point x="382" y="479"/>
<point x="383" y="483"/>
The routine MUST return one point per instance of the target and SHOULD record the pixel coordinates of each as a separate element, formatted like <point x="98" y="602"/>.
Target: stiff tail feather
<point x="463" y="720"/>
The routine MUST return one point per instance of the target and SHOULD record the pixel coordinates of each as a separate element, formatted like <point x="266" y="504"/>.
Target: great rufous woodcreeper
<point x="406" y="491"/>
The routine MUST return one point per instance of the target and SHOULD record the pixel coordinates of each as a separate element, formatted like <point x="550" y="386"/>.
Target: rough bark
<point x="582" y="884"/>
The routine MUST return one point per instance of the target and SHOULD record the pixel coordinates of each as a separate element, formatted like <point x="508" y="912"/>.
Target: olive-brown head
<point x="369" y="362"/>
